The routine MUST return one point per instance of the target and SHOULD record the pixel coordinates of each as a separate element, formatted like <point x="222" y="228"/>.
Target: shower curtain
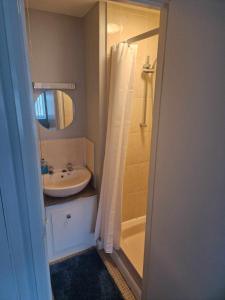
<point x="108" y="222"/>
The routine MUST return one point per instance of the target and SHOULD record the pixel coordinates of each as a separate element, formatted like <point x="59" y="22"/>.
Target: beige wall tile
<point x="134" y="205"/>
<point x="143" y="49"/>
<point x="61" y="151"/>
<point x="132" y="25"/>
<point x="138" y="150"/>
<point x="89" y="155"/>
<point x="136" y="177"/>
<point x="137" y="116"/>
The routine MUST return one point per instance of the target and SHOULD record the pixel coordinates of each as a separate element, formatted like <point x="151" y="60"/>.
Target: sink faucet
<point x="50" y="170"/>
<point x="69" y="166"/>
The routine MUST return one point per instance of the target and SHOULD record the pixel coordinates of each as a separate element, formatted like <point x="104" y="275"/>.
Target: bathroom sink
<point x="62" y="184"/>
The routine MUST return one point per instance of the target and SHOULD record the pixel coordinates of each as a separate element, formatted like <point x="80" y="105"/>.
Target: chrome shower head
<point x="147" y="68"/>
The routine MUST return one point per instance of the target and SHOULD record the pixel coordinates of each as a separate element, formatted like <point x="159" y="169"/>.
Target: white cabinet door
<point x="67" y="228"/>
<point x="71" y="226"/>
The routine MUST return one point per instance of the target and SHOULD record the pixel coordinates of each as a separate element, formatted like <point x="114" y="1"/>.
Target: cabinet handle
<point x="68" y="216"/>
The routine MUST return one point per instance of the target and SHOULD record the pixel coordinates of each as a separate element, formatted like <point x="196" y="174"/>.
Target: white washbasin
<point x="62" y="184"/>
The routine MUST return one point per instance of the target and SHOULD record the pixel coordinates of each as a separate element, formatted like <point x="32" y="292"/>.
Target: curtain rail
<point x="143" y="36"/>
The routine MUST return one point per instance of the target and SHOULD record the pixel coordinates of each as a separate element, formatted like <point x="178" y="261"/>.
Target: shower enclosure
<point x="132" y="43"/>
<point x="136" y="26"/>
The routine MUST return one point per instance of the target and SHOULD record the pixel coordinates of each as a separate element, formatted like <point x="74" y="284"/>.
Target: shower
<point x="132" y="55"/>
<point x="147" y="70"/>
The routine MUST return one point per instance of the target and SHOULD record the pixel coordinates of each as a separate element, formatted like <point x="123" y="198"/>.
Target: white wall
<point x="94" y="79"/>
<point x="56" y="44"/>
<point x="187" y="251"/>
<point x="91" y="30"/>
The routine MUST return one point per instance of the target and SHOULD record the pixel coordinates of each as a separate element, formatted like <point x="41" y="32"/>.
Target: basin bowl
<point x="63" y="184"/>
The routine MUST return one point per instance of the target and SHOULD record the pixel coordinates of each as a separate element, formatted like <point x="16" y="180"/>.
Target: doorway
<point x="140" y="26"/>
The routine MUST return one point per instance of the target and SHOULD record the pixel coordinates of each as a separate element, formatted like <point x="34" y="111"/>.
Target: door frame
<point x="20" y="182"/>
<point x="163" y="6"/>
<point x="164" y="11"/>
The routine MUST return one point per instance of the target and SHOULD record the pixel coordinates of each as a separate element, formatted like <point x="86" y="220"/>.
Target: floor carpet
<point x="83" y="277"/>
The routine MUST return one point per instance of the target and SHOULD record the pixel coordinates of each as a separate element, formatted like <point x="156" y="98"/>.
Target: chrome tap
<point x="50" y="170"/>
<point x="69" y="166"/>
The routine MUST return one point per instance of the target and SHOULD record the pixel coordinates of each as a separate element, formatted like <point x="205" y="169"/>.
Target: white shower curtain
<point x="119" y="115"/>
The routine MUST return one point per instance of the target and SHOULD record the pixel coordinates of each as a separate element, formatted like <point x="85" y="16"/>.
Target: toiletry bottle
<point x="44" y="166"/>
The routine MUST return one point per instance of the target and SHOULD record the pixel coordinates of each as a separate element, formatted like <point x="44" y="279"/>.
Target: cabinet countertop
<point x="87" y="192"/>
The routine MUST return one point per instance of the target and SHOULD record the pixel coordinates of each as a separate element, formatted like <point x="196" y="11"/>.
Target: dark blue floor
<point x="83" y="277"/>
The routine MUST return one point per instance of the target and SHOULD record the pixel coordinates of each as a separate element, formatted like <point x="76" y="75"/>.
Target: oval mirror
<point x="54" y="109"/>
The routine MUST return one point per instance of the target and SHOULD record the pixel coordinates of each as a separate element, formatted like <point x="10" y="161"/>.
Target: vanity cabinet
<point x="70" y="226"/>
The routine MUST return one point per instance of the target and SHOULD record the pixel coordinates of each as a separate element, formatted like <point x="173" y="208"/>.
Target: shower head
<point x="148" y="70"/>
<point x="147" y="67"/>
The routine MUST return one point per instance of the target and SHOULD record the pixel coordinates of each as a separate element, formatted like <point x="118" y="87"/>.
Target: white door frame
<point x="20" y="184"/>
<point x="154" y="143"/>
<point x="163" y="5"/>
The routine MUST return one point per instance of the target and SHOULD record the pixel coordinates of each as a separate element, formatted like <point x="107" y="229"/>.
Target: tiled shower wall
<point x="132" y="22"/>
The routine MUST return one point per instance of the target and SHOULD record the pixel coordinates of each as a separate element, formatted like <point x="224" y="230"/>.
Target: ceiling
<point x="77" y="8"/>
